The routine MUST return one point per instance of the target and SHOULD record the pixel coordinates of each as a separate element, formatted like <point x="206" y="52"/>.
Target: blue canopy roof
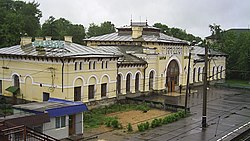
<point x="54" y="107"/>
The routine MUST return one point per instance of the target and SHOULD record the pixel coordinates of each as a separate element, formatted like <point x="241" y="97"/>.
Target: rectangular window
<point x="104" y="90"/>
<point x="91" y="91"/>
<point x="75" y="65"/>
<point x="60" y="122"/>
<point x="45" y="96"/>
<point x="63" y="121"/>
<point x="80" y="66"/>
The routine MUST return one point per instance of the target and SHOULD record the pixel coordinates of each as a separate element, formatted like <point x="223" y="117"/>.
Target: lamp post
<point x="187" y="85"/>
<point x="204" y="108"/>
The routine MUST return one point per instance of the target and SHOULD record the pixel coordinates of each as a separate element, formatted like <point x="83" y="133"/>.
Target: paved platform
<point x="228" y="111"/>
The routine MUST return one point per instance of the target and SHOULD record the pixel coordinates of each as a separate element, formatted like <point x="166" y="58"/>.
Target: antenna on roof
<point x="146" y="21"/>
<point x="131" y="20"/>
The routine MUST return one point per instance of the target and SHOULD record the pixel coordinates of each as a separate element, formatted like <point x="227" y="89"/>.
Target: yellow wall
<point x="36" y="77"/>
<point x="159" y="60"/>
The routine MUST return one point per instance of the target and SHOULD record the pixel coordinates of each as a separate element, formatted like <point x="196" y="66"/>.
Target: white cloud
<point x="192" y="15"/>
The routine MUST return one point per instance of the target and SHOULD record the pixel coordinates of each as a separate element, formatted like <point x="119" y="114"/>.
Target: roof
<point x="27" y="119"/>
<point x="235" y="30"/>
<point x="68" y="50"/>
<point x="198" y="51"/>
<point x="128" y="37"/>
<point x="54" y="107"/>
<point x="127" y="53"/>
<point x="12" y="89"/>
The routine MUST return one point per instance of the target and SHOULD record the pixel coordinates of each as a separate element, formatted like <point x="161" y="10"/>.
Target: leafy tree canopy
<point x="96" y="30"/>
<point x="58" y="28"/>
<point x="18" y="18"/>
<point x="237" y="46"/>
<point x="176" y="32"/>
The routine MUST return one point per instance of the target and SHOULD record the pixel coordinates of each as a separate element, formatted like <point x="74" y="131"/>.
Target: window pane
<point x="90" y="65"/>
<point x="91" y="91"/>
<point x="103" y="89"/>
<point x="106" y="64"/>
<point x="80" y="66"/>
<point x="75" y="65"/>
<point x="94" y="65"/>
<point x="63" y="121"/>
<point x="57" y="122"/>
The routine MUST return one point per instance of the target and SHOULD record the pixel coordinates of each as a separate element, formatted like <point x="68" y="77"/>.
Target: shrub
<point x="115" y="123"/>
<point x="141" y="127"/>
<point x="109" y="120"/>
<point x="130" y="128"/>
<point x="156" y="122"/>
<point x="146" y="126"/>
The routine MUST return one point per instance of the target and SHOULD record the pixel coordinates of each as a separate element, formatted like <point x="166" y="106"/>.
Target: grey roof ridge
<point x="144" y="62"/>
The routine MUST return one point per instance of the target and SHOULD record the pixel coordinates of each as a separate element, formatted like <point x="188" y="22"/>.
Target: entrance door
<point x="172" y="86"/>
<point x="72" y="124"/>
<point x="172" y="76"/>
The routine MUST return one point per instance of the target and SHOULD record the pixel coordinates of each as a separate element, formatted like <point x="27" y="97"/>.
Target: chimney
<point x="136" y="30"/>
<point x="68" y="39"/>
<point x="48" y="38"/>
<point x="25" y="41"/>
<point x="38" y="38"/>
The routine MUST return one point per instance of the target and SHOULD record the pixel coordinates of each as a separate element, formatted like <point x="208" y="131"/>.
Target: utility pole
<point x="187" y="85"/>
<point x="204" y="109"/>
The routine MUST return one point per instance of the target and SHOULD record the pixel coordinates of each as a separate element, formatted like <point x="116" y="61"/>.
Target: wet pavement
<point x="228" y="112"/>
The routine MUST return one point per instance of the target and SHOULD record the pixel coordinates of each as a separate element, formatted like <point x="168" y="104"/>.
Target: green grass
<point x="238" y="82"/>
<point x="96" y="117"/>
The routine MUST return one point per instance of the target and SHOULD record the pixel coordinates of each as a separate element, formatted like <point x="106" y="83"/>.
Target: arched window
<point x="137" y="82"/>
<point x="151" y="80"/>
<point x="221" y="71"/>
<point x="119" y="82"/>
<point x="199" y="71"/>
<point x="128" y="80"/>
<point x="202" y="76"/>
<point x="213" y="73"/>
<point x="16" y="81"/>
<point x="217" y="73"/>
<point x="92" y="88"/>
<point x="194" y="73"/>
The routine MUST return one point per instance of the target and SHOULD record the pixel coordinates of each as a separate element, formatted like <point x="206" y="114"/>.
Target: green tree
<point x="176" y="32"/>
<point x="236" y="46"/>
<point x="18" y="18"/>
<point x="96" y="30"/>
<point x="58" y="28"/>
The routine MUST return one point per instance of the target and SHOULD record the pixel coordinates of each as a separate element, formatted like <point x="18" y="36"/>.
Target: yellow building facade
<point x="71" y="71"/>
<point x="135" y="59"/>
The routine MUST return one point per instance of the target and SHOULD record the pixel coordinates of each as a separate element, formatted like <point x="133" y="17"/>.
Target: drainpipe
<point x="116" y="80"/>
<point x="144" y="75"/>
<point x="62" y="72"/>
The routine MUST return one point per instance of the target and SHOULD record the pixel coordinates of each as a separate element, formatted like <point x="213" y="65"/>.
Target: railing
<point x="157" y="104"/>
<point x="22" y="133"/>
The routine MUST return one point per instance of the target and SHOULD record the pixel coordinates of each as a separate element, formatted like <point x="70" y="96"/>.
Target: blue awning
<point x="69" y="110"/>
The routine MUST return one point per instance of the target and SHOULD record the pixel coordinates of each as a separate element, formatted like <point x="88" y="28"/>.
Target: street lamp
<point x="204" y="108"/>
<point x="188" y="74"/>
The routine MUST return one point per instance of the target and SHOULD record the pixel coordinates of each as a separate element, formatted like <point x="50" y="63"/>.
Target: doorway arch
<point x="172" y="77"/>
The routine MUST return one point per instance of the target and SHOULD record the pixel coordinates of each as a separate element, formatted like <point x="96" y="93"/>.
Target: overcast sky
<point x="192" y="15"/>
